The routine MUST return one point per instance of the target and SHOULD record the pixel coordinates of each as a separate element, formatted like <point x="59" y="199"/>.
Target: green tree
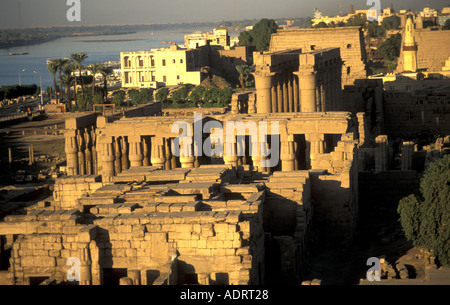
<point x="67" y="81"/>
<point x="390" y="49"/>
<point x="196" y="95"/>
<point x="85" y="102"/>
<point x="244" y="72"/>
<point x="446" y="25"/>
<point x="118" y="98"/>
<point x="145" y="95"/>
<point x="79" y="58"/>
<point x="105" y="72"/>
<point x="180" y="94"/>
<point x="53" y="69"/>
<point x="98" y="98"/>
<point x="425" y="219"/>
<point x="224" y="97"/>
<point x="95" y="69"/>
<point x="69" y="69"/>
<point x="133" y="94"/>
<point x="357" y="20"/>
<point x="320" y="25"/>
<point x="162" y="94"/>
<point x="60" y="62"/>
<point x="245" y="38"/>
<point x="259" y="37"/>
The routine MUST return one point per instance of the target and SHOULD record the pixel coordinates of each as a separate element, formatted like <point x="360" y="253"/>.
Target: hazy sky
<point x="53" y="12"/>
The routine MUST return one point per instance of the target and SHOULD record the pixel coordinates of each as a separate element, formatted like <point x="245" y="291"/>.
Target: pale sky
<point x="53" y="12"/>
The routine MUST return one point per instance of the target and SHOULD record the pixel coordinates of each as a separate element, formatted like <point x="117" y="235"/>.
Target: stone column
<point x="94" y="152"/>
<point x="81" y="158"/>
<point x="252" y="103"/>
<point x="279" y="93"/>
<point x="381" y="153"/>
<point x="234" y="104"/>
<point x="88" y="151"/>
<point x="274" y="95"/>
<point x="145" y="154"/>
<point x="320" y="106"/>
<point x="107" y="157"/>
<point x="296" y="161"/>
<point x="157" y="152"/>
<point x="263" y="84"/>
<point x="118" y="156"/>
<point x="85" y="265"/>
<point x="287" y="155"/>
<point x="317" y="144"/>
<point x="169" y="156"/>
<point x="291" y="93"/>
<point x="135" y="153"/>
<point x="187" y="158"/>
<point x="307" y="83"/>
<point x="308" y="150"/>
<point x="124" y="147"/>
<point x="230" y="151"/>
<point x="259" y="149"/>
<point x="285" y="93"/>
<point x="407" y="155"/>
<point x="71" y="149"/>
<point x="296" y="94"/>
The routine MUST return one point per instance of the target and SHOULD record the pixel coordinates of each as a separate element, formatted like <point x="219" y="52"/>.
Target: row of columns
<point x="80" y="148"/>
<point x="304" y="91"/>
<point x="116" y="154"/>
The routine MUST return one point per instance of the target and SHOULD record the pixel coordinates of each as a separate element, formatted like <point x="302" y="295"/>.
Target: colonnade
<point x="80" y="148"/>
<point x="306" y="90"/>
<point x="89" y="153"/>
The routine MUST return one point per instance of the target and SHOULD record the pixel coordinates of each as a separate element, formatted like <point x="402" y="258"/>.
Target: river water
<point x="99" y="49"/>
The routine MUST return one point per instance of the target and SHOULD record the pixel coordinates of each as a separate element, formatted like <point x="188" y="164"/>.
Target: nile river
<point x="99" y="49"/>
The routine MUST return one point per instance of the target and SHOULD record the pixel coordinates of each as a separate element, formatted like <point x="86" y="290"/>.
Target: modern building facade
<point x="162" y="67"/>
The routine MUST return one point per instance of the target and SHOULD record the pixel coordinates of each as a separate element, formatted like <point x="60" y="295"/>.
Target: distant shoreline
<point x="111" y="40"/>
<point x="10" y="38"/>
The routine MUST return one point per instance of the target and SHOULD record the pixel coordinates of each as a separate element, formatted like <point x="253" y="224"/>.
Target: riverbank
<point x="10" y="38"/>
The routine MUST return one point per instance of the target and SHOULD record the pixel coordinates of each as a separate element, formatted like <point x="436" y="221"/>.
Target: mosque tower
<point x="409" y="48"/>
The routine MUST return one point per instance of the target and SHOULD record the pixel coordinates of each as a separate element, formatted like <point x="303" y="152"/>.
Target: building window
<point x="313" y="47"/>
<point x="164" y="62"/>
<point x="174" y="61"/>
<point x="178" y="77"/>
<point x="348" y="70"/>
<point x="181" y="61"/>
<point x="164" y="78"/>
<point x="349" y="46"/>
<point x="408" y="88"/>
<point x="153" y="78"/>
<point x="152" y="62"/>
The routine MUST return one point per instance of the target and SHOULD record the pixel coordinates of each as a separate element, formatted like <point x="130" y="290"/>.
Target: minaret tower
<point x="409" y="48"/>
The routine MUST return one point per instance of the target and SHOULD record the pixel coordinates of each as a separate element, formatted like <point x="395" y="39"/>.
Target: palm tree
<point x="79" y="58"/>
<point x="60" y="62"/>
<point x="51" y="66"/>
<point x="244" y="71"/>
<point x="105" y="72"/>
<point x="95" y="69"/>
<point x="67" y="81"/>
<point x="69" y="69"/>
